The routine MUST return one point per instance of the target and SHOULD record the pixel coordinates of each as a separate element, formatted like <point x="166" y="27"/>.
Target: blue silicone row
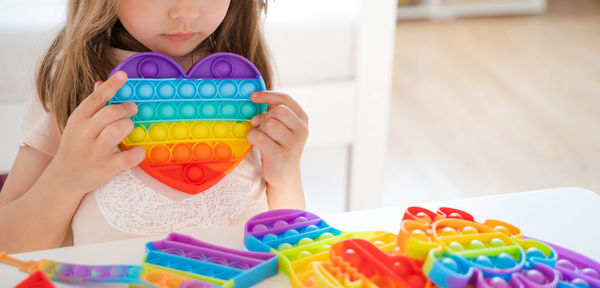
<point x="206" y="110"/>
<point x="138" y="89"/>
<point x="241" y="277"/>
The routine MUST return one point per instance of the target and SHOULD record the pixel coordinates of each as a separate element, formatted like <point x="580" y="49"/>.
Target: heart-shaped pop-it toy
<point x="192" y="125"/>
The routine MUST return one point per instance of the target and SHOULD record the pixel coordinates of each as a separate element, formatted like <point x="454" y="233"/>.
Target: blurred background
<point x="410" y="101"/>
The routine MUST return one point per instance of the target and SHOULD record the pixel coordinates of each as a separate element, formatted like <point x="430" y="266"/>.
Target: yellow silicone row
<point x="173" y="132"/>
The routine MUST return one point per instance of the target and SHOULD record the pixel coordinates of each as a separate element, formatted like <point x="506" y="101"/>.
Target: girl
<point x="69" y="172"/>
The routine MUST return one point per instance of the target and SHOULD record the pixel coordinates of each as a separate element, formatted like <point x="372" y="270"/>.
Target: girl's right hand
<point x="88" y="155"/>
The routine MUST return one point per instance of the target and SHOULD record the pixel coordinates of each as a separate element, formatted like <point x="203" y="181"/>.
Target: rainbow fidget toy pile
<point x="447" y="248"/>
<point x="444" y="249"/>
<point x="193" y="126"/>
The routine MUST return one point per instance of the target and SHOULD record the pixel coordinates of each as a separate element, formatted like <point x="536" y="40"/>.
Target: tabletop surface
<point x="564" y="216"/>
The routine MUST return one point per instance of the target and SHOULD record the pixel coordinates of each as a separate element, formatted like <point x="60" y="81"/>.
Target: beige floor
<point x="496" y="105"/>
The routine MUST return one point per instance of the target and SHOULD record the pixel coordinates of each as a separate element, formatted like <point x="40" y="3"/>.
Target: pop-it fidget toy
<point x="192" y="125"/>
<point x="210" y="263"/>
<point x="445" y="249"/>
<point x="314" y="254"/>
<point x="178" y="261"/>
<point x="460" y="252"/>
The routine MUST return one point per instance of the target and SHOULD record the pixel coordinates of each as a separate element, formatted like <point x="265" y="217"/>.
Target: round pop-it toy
<point x="193" y="125"/>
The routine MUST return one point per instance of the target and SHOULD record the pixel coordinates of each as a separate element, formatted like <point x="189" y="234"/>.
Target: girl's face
<point x="172" y="27"/>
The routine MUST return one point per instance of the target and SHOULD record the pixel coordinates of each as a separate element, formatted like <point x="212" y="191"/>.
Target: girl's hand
<point x="280" y="135"/>
<point x="88" y="155"/>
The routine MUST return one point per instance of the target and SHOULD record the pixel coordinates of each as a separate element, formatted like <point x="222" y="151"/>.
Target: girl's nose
<point x="184" y="11"/>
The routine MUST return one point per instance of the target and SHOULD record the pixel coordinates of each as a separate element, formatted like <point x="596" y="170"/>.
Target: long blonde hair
<point x="80" y="55"/>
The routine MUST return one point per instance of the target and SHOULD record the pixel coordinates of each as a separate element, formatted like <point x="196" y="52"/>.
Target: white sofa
<point x="334" y="56"/>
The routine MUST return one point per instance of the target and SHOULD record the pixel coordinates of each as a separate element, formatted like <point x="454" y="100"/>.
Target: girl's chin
<point x="174" y="51"/>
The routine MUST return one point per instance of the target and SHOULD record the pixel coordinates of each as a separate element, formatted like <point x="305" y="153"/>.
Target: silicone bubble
<point x="160" y="154"/>
<point x="496" y="242"/>
<point x="534" y="252"/>
<point x="448" y="231"/>
<point x="468" y="230"/>
<point x="166" y="90"/>
<point x="590" y="273"/>
<point x="179" y="131"/>
<point x="137" y="135"/>
<point x="182" y="153"/>
<point x="223" y="151"/>
<point x="259" y="228"/>
<point x="200" y="130"/>
<point x="187" y="111"/>
<point x="484" y="261"/>
<point x="284" y="246"/>
<point x="450" y="264"/>
<point x="305" y="241"/>
<point x="202" y="151"/>
<point x="241" y="129"/>
<point x="497" y="282"/>
<point x="228" y="110"/>
<point x="536" y="276"/>
<point x="146" y="112"/>
<point x="502" y="229"/>
<point x="456" y="246"/>
<point x="228" y="89"/>
<point x="186" y="89"/>
<point x="166" y="111"/>
<point x="476" y="244"/>
<point x="280" y="223"/>
<point x="504" y="260"/>
<point x="291" y="232"/>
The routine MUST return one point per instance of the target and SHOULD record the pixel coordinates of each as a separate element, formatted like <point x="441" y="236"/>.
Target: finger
<point x="97" y="84"/>
<point x="263" y="142"/>
<point x="114" y="133"/>
<point x="277" y="131"/>
<point x="273" y="99"/>
<point x="109" y="114"/>
<point x="126" y="159"/>
<point x="95" y="101"/>
<point x="284" y="114"/>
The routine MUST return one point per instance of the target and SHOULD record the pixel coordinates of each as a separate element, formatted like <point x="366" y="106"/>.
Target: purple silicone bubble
<point x="221" y="68"/>
<point x="148" y="68"/>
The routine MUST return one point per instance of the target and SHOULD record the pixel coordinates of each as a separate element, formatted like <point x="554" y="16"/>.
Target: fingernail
<point x="132" y="107"/>
<point x="254" y="120"/>
<point x="120" y="75"/>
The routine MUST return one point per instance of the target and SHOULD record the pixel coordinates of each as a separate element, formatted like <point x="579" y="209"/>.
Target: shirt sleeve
<point x="39" y="128"/>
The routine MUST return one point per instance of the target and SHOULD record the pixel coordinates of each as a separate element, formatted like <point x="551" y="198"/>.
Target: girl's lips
<point x="179" y="37"/>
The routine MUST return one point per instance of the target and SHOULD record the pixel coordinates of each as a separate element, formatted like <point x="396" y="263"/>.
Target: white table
<point x="565" y="216"/>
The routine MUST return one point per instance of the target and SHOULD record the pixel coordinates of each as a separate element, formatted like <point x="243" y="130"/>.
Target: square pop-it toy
<point x="185" y="256"/>
<point x="193" y="125"/>
<point x="447" y="248"/>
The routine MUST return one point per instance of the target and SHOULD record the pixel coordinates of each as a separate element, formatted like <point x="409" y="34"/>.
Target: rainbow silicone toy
<point x="178" y="261"/>
<point x="302" y="241"/>
<point x="448" y="247"/>
<point x="188" y="257"/>
<point x="193" y="126"/>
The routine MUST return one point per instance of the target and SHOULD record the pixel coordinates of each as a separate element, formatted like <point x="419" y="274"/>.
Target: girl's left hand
<point x="280" y="135"/>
